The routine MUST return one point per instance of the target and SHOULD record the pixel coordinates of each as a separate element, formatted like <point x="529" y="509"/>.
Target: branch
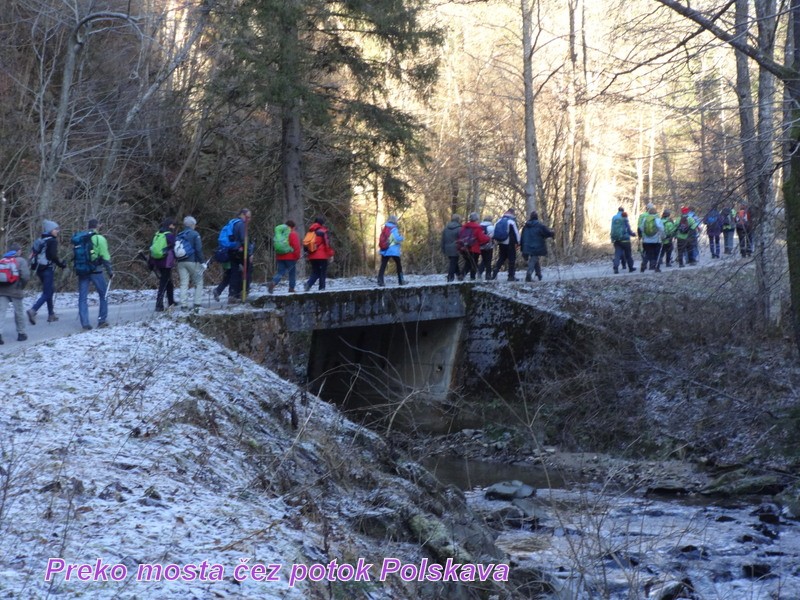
<point x="782" y="72"/>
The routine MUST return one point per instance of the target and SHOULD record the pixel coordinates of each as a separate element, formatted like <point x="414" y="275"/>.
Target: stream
<point x="586" y="542"/>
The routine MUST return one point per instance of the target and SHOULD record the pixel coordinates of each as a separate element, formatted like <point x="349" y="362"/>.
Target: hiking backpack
<point x="466" y="239"/>
<point x="669" y="229"/>
<point x="183" y="248"/>
<point x="280" y="242"/>
<point x="82" y="250"/>
<point x="385" y="239"/>
<point x="39" y="254"/>
<point x="683" y="225"/>
<point x="158" y="247"/>
<point x="618" y="229"/>
<point x="9" y="270"/>
<point x="501" y="230"/>
<point x="310" y="242"/>
<point x="226" y="236"/>
<point x="742" y="218"/>
<point x="649" y="227"/>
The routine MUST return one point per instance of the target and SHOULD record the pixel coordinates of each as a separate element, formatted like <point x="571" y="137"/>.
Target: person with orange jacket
<point x="319" y="253"/>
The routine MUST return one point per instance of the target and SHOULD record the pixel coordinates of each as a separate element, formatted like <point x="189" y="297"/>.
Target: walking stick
<point x="244" y="264"/>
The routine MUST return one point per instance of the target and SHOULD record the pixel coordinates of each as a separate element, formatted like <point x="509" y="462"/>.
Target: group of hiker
<point x="91" y="262"/>
<point x="661" y="236"/>
<point x="470" y="247"/>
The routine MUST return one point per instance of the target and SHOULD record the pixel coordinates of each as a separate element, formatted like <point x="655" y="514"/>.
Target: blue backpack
<point x="184" y="249"/>
<point x="501" y="230"/>
<point x="226" y="239"/>
<point x="82" y="250"/>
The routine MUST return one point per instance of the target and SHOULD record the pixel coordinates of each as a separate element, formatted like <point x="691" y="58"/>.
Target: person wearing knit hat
<point x="101" y="261"/>
<point x="487" y="249"/>
<point x="506" y="233"/>
<point x="389" y="247"/>
<point x="190" y="265"/>
<point x="12" y="291"/>
<point x="686" y="237"/>
<point x="449" y="237"/>
<point x="469" y="241"/>
<point x="46" y="259"/>
<point x="621" y="235"/>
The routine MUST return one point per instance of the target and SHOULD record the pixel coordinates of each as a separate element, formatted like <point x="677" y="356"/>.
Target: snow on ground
<point x="146" y="443"/>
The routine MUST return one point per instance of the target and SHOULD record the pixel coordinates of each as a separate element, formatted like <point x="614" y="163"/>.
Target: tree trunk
<point x="531" y="162"/>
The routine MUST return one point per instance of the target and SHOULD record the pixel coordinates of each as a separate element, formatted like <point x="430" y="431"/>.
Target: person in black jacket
<point x="534" y="245"/>
<point x="45" y="251"/>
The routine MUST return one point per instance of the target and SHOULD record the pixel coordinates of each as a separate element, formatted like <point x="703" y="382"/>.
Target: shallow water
<point x="604" y="544"/>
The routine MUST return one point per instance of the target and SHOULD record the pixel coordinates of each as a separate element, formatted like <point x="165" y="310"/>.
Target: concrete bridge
<point x="411" y="345"/>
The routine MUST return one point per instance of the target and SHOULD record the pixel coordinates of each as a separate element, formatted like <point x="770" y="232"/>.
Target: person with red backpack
<point x="744" y="230"/>
<point x="470" y="239"/>
<point x="389" y="246"/>
<point x="319" y="253"/>
<point x="16" y="274"/>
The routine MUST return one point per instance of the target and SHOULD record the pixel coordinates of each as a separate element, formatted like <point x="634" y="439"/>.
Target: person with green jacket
<point x="728" y="228"/>
<point x="686" y="236"/>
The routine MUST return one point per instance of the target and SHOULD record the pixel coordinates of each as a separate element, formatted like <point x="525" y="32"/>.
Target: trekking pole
<point x="244" y="264"/>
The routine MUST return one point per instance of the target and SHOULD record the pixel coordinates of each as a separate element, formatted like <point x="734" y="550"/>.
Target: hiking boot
<point x="539" y="276"/>
<point x="103" y="325"/>
<point x="159" y="308"/>
<point x="216" y="295"/>
<point x="52" y="318"/>
<point x="89" y="327"/>
<point x="632" y="269"/>
<point x="658" y="269"/>
<point x="528" y="279"/>
<point x="270" y="287"/>
<point x="1" y="340"/>
<point x="616" y="271"/>
<point x="513" y="279"/>
<point x="644" y="267"/>
<point x="292" y="290"/>
<point x="21" y="337"/>
<point x="31" y="316"/>
<point x="380" y="283"/>
<point x="306" y="287"/>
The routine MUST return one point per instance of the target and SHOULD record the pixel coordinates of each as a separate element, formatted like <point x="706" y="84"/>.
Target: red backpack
<point x="385" y="240"/>
<point x="9" y="270"/>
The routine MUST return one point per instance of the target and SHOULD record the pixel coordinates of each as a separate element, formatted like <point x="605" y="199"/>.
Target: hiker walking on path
<point x="713" y="223"/>
<point x="469" y="241"/>
<point x="287" y="252"/>
<point x="487" y="250"/>
<point x="651" y="232"/>
<point x="389" y="244"/>
<point x="162" y="259"/>
<point x="728" y="228"/>
<point x="621" y="235"/>
<point x="684" y="237"/>
<point x="534" y="244"/>
<point x="45" y="255"/>
<point x="99" y="261"/>
<point x="449" y="237"/>
<point x="189" y="252"/>
<point x="15" y="274"/>
<point x="506" y="233"/>
<point x="317" y="243"/>
<point x="234" y="239"/>
<point x="744" y="230"/>
<point x="667" y="245"/>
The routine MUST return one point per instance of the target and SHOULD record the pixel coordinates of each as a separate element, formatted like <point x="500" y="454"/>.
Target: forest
<point x="130" y="111"/>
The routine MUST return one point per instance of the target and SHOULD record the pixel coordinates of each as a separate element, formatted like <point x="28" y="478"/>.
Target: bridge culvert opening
<point x="397" y="374"/>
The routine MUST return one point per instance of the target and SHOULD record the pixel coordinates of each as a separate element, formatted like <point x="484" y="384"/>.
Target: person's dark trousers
<point x="48" y="289"/>
<point x="237" y="276"/>
<point x="508" y="252"/>
<point x="683" y="250"/>
<point x="382" y="270"/>
<point x="619" y="256"/>
<point x="226" y="279"/>
<point x="453" y="269"/>
<point x="286" y="267"/>
<point x="485" y="268"/>
<point x="470" y="264"/>
<point x="745" y="244"/>
<point x="728" y="235"/>
<point x="164" y="285"/>
<point x="651" y="255"/>
<point x="319" y="271"/>
<point x="713" y="244"/>
<point x="666" y="254"/>
<point x="694" y="248"/>
<point x="627" y="249"/>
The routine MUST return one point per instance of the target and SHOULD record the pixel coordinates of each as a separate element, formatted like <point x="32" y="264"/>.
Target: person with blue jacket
<point x="45" y="250"/>
<point x="534" y="244"/>
<point x="392" y="252"/>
